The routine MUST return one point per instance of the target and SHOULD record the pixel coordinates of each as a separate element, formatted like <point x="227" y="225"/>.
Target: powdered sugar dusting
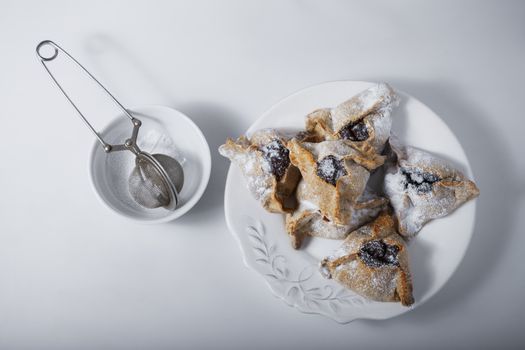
<point x="381" y="123"/>
<point x="256" y="171"/>
<point x="375" y="275"/>
<point x="330" y="169"/>
<point x="415" y="204"/>
<point x="369" y="207"/>
<point x="324" y="149"/>
<point x="277" y="157"/>
<point x="379" y="99"/>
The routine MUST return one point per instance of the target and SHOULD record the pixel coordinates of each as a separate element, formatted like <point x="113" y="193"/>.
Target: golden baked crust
<point x="307" y="219"/>
<point x="422" y="187"/>
<point x="370" y="111"/>
<point x="377" y="277"/>
<point x="274" y="192"/>
<point x="333" y="199"/>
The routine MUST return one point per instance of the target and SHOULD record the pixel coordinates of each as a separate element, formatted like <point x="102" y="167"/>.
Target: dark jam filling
<point x="420" y="180"/>
<point x="377" y="253"/>
<point x="278" y="156"/>
<point x="354" y="131"/>
<point x="329" y="169"/>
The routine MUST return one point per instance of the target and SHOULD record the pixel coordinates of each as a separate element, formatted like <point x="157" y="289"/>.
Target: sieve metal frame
<point x="131" y="143"/>
<point x="56" y="49"/>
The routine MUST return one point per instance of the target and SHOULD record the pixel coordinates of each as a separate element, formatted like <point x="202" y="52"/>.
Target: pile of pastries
<point x="319" y="178"/>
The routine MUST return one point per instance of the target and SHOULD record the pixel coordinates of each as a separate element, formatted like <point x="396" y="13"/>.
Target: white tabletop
<point x="75" y="275"/>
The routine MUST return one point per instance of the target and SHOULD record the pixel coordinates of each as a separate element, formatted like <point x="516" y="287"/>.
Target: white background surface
<point x="75" y="275"/>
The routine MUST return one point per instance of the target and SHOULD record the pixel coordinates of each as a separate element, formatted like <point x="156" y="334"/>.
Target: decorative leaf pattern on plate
<point x="302" y="290"/>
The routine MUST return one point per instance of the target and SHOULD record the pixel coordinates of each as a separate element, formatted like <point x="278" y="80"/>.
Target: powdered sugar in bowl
<point x="164" y="130"/>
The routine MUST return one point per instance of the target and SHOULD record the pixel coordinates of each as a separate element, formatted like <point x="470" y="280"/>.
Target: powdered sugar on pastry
<point x="265" y="163"/>
<point x="308" y="220"/>
<point x="379" y="99"/>
<point x="255" y="169"/>
<point x="422" y="187"/>
<point x="373" y="261"/>
<point x="364" y="121"/>
<point x="333" y="191"/>
<point x="336" y="148"/>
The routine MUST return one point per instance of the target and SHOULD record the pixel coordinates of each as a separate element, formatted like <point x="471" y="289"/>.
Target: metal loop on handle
<point x="43" y="44"/>
<point x="46" y="58"/>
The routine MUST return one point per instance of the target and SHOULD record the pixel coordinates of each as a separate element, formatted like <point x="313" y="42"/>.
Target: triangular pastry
<point x="422" y="187"/>
<point x="373" y="262"/>
<point x="364" y="120"/>
<point x="307" y="219"/>
<point x="335" y="174"/>
<point x="264" y="161"/>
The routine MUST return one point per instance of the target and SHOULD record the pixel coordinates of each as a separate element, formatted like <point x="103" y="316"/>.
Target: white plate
<point x="293" y="275"/>
<point x="164" y="130"/>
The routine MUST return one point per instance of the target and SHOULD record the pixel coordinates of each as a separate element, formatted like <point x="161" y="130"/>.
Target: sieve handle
<point x="130" y="143"/>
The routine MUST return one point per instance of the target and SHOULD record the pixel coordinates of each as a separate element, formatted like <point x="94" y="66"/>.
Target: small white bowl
<point x="163" y="130"/>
